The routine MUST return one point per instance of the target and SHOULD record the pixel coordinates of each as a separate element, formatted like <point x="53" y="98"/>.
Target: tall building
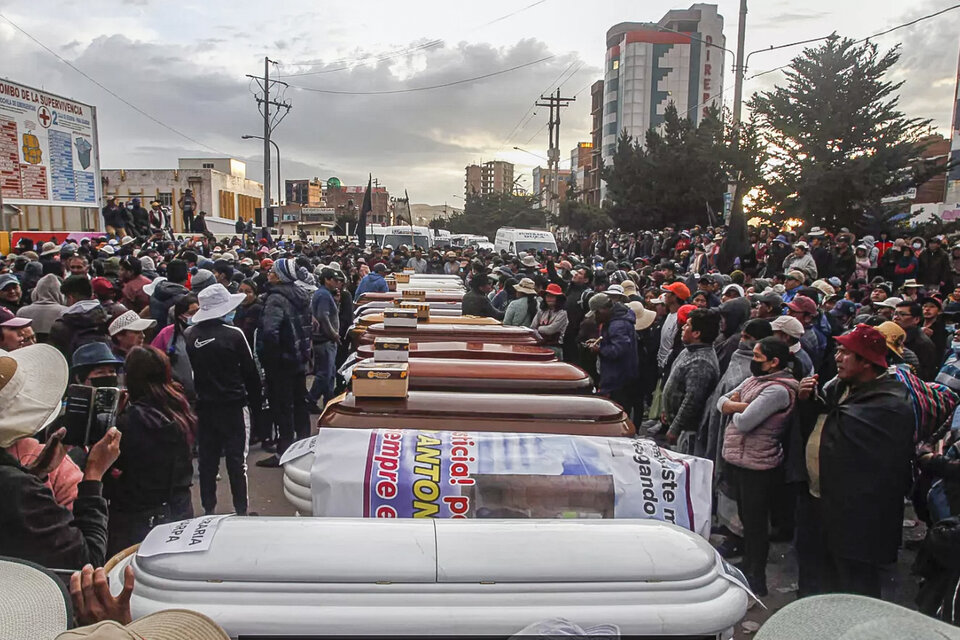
<point x="953" y="178"/>
<point x="542" y="178"/>
<point x="308" y="192"/>
<point x="495" y="176"/>
<point x="650" y="65"/>
<point x="581" y="159"/>
<point x="592" y="183"/>
<point x="348" y="201"/>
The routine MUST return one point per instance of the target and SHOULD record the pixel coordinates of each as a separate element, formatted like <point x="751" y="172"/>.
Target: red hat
<point x="11" y="320"/>
<point x="867" y="342"/>
<point x="678" y="289"/>
<point x="266" y="263"/>
<point x="102" y="287"/>
<point x="803" y="304"/>
<point x="554" y="289"/>
<point x="683" y="313"/>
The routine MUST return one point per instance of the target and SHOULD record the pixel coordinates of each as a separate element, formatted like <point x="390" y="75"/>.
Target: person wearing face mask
<point x="171" y="341"/>
<point x="759" y="409"/>
<point x="227" y="382"/>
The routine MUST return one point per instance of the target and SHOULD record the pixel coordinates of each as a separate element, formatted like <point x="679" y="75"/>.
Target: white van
<point x="395" y="236"/>
<point x="517" y="241"/>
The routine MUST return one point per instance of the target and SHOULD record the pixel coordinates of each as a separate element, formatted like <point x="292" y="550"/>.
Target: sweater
<point x="518" y="313"/>
<point x="692" y="378"/>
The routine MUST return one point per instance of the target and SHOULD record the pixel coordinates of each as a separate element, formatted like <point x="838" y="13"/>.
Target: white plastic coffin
<point x="321" y="576"/>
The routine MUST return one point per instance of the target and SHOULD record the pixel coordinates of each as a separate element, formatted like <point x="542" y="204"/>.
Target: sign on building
<point x="48" y="149"/>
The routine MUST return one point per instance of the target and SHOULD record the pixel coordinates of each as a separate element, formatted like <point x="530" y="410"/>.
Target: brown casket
<point x="472" y="351"/>
<point x="497" y="376"/>
<point x="496" y="334"/>
<point x="509" y="412"/>
<point x="432" y="296"/>
<point x="365" y="322"/>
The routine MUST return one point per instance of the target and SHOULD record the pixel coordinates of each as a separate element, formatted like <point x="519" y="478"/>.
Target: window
<point x="166" y="199"/>
<point x="208" y="165"/>
<point x="616" y="65"/>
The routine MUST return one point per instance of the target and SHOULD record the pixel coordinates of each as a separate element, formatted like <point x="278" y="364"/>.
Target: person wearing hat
<point x="801" y="260"/>
<point x="905" y="265"/>
<point x="326" y="338"/>
<point x="933" y="325"/>
<point x="164" y="293"/>
<point x="188" y="205"/>
<point x="106" y="292"/>
<point x="10" y="292"/>
<point x="15" y="332"/>
<point x="909" y="315"/>
<point x="522" y="309"/>
<point x="806" y="311"/>
<point x="693" y="376"/>
<point x="674" y="296"/>
<point x="140" y="219"/>
<point x="36" y="528"/>
<point x="843" y="262"/>
<point x="46" y="307"/>
<point x="227" y="381"/>
<point x="934" y="266"/>
<point x="285" y="328"/>
<point x="476" y="301"/>
<point x="792" y="283"/>
<point x="126" y="332"/>
<point x="131" y="275"/>
<point x="95" y="365"/>
<point x="550" y="321"/>
<point x="616" y="349"/>
<point x="841" y="316"/>
<point x="789" y="330"/>
<point x="859" y="447"/>
<point x="114" y="218"/>
<point x="768" y="305"/>
<point x="581" y="280"/>
<point x="374" y="282"/>
<point x="84" y="321"/>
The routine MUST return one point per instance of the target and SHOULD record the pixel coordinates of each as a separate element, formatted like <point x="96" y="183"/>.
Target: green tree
<point x="484" y="214"/>
<point x="838" y="142"/>
<point x="580" y="216"/>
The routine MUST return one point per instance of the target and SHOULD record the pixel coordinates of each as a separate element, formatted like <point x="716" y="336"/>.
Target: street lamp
<point x="279" y="191"/>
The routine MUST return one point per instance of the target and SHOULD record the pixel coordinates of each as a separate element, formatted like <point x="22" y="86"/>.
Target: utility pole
<point x="739" y="69"/>
<point x="555" y="102"/>
<point x="264" y="102"/>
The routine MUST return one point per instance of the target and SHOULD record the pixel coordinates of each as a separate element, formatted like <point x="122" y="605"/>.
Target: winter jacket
<point x="47" y="306"/>
<point x="81" y="324"/>
<point x="934" y="268"/>
<point x="618" y="350"/>
<point x="518" y="312"/>
<point x="133" y="296"/>
<point x="165" y="295"/>
<point x="372" y="283"/>
<point x="285" y="329"/>
<point x="154" y="462"/>
<point x="475" y="303"/>
<point x="752" y="439"/>
<point x="175" y="346"/>
<point x="804" y="263"/>
<point x="858" y="458"/>
<point x="693" y="376"/>
<point x="714" y="422"/>
<point x="34" y="527"/>
<point x="844" y="262"/>
<point x="551" y="325"/>
<point x="918" y="342"/>
<point x="223" y="368"/>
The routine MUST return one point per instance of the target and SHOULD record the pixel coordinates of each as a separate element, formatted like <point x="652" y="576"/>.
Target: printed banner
<point x="397" y="473"/>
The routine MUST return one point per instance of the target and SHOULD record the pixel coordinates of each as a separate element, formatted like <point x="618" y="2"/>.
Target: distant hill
<point x="423" y="214"/>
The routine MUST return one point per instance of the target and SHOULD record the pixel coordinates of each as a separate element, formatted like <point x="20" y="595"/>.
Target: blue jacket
<point x="619" y="363"/>
<point x="372" y="283"/>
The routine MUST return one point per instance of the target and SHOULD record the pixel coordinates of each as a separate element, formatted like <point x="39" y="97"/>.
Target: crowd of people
<point x="820" y="373"/>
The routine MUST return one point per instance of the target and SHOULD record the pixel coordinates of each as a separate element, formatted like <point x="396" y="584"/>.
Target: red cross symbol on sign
<point x="43" y="115"/>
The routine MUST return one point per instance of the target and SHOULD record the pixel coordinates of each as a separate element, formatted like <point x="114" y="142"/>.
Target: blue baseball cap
<point x="93" y="354"/>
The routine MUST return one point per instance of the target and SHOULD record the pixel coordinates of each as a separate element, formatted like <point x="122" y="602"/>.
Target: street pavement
<point x="266" y="499"/>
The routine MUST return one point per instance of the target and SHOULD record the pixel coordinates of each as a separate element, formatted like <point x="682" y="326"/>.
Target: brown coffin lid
<point x="502" y="376"/>
<point x="497" y="334"/>
<point x="374" y="318"/>
<point x="471" y="351"/>
<point x="513" y="412"/>
<point x="432" y="296"/>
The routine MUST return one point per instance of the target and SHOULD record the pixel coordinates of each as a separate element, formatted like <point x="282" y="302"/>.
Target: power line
<point x="392" y="54"/>
<point x="876" y="35"/>
<point x="429" y="88"/>
<point x="517" y="128"/>
<point x="108" y="90"/>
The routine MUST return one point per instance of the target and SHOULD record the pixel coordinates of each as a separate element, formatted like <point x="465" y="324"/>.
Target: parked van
<point x="517" y="241"/>
<point x="395" y="236"/>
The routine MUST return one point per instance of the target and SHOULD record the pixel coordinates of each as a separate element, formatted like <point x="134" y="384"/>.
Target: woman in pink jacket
<point x="759" y="410"/>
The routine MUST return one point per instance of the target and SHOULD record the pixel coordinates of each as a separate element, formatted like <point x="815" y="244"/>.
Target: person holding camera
<point x="32" y="525"/>
<point x="150" y="484"/>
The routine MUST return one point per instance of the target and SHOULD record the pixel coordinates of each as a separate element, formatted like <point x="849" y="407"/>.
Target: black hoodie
<point x="165" y="295"/>
<point x="76" y="328"/>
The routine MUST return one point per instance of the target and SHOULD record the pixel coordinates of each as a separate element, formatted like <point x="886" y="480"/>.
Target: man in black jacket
<point x="227" y="382"/>
<point x="581" y="280"/>
<point x="286" y="326"/>
<point x="476" y="301"/>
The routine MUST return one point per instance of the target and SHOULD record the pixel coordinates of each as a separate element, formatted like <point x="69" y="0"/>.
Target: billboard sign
<point x="48" y="149"/>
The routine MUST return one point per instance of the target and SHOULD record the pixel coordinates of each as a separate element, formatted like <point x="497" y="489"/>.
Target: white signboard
<point x="183" y="536"/>
<point x="48" y="149"/>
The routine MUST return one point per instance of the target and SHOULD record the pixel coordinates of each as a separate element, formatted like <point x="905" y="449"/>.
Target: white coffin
<point x="327" y="576"/>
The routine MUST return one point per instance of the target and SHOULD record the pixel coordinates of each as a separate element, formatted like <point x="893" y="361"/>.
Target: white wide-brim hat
<point x="32" y="382"/>
<point x="216" y="302"/>
<point x="168" y="624"/>
<point x="150" y="288"/>
<point x="35" y="603"/>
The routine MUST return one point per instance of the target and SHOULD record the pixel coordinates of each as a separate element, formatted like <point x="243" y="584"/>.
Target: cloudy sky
<point x="185" y="63"/>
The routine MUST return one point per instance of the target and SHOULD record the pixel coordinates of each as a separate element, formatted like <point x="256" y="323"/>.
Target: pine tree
<point x="838" y="143"/>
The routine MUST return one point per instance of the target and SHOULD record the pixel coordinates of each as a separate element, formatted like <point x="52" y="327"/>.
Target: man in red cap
<point x="805" y="310"/>
<point x="859" y="446"/>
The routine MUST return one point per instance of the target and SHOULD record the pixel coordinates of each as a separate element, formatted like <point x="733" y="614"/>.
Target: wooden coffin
<point x="364" y="322"/>
<point x="492" y="333"/>
<point x="432" y="296"/>
<point x="509" y="412"/>
<point x="472" y="351"/>
<point x="498" y="376"/>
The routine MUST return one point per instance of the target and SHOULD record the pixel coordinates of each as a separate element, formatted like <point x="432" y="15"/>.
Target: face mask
<point x="229" y="317"/>
<point x="104" y="381"/>
<point x="917" y="246"/>
<point x="756" y="369"/>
